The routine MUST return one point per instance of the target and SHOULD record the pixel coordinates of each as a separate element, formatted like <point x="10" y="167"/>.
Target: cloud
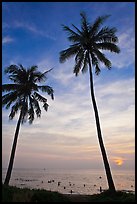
<point x="7" y="39"/>
<point x="32" y="28"/>
<point x="70" y="118"/>
<point x="127" y="47"/>
<point x="110" y="93"/>
<point x="64" y="75"/>
<point x="71" y="113"/>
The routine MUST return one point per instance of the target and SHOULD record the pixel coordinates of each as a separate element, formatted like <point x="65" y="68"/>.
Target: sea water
<point x="70" y="181"/>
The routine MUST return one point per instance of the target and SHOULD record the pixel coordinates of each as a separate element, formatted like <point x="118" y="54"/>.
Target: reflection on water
<point x="67" y="181"/>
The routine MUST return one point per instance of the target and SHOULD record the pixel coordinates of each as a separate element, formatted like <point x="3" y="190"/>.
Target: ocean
<point x="70" y="181"/>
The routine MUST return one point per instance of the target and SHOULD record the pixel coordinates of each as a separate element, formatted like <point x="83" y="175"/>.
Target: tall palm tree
<point x="86" y="47"/>
<point x="24" y="97"/>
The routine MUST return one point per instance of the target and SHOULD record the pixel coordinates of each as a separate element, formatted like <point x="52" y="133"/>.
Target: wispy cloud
<point x="64" y="73"/>
<point x="7" y="39"/>
<point x="32" y="28"/>
<point x="127" y="46"/>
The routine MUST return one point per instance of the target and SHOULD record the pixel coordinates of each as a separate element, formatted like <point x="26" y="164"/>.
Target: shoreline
<point x="14" y="194"/>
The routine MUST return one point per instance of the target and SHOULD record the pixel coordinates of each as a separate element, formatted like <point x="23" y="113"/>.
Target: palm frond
<point x="106" y="34"/>
<point x="97" y="69"/>
<point x="42" y="76"/>
<point x="24" y="110"/>
<point x="80" y="33"/>
<point x="70" y="52"/>
<point x="94" y="58"/>
<point x="30" y="110"/>
<point x="39" y="97"/>
<point x="95" y="63"/>
<point x="9" y="98"/>
<point x="72" y="35"/>
<point x="70" y="31"/>
<point x="10" y="87"/>
<point x="48" y="89"/>
<point x="102" y="58"/>
<point x="78" y="62"/>
<point x="74" y="38"/>
<point x="96" y="25"/>
<point x="36" y="107"/>
<point x="108" y="46"/>
<point x="21" y="67"/>
<point x="79" y="55"/>
<point x="14" y="110"/>
<point x="85" y="63"/>
<point x="84" y="22"/>
<point x="12" y="69"/>
<point x="33" y="69"/>
<point x="45" y="106"/>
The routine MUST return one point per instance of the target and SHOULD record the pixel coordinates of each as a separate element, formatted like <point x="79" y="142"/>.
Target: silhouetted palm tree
<point x="24" y="97"/>
<point x="86" y="47"/>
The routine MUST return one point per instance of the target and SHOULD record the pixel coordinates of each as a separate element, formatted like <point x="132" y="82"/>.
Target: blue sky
<point x="65" y="136"/>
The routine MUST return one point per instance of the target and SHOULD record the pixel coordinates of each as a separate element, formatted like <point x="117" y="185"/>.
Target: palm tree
<point x="24" y="97"/>
<point x="86" y="47"/>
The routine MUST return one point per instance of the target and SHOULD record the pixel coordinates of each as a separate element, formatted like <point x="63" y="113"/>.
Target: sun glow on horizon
<point x="118" y="161"/>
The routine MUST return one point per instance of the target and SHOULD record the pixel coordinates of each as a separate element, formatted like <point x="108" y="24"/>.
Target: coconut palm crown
<point x="88" y="42"/>
<point x="23" y="92"/>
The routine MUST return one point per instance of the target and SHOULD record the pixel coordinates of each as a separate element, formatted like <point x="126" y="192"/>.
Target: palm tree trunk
<point x="102" y="147"/>
<point x="8" y="175"/>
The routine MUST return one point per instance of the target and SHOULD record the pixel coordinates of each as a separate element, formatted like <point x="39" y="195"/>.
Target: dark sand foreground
<point x="14" y="194"/>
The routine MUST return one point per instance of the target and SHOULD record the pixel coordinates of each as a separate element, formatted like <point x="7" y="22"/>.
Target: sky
<point x="65" y="136"/>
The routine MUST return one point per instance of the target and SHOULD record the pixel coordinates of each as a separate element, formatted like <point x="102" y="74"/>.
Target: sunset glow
<point x="118" y="162"/>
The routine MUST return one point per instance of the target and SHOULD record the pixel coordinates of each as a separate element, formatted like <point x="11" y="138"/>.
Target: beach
<point x="76" y="182"/>
<point x="14" y="194"/>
